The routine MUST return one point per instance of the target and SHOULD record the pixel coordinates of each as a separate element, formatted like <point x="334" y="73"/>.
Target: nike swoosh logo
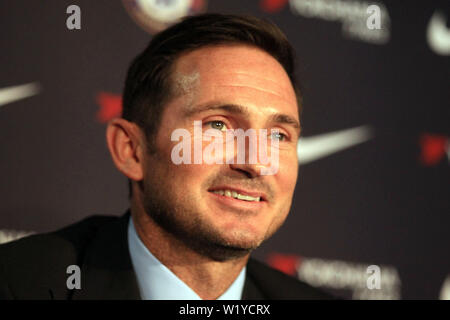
<point x="16" y="93"/>
<point x="313" y="148"/>
<point x="11" y="235"/>
<point x="438" y="35"/>
<point x="445" y="291"/>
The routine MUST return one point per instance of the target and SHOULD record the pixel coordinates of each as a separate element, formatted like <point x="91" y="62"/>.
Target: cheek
<point x="287" y="174"/>
<point x="185" y="174"/>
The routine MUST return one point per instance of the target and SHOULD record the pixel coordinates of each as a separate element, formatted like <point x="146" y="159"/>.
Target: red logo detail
<point x="110" y="106"/>
<point x="285" y="263"/>
<point x="272" y="6"/>
<point x="198" y="5"/>
<point x="434" y="148"/>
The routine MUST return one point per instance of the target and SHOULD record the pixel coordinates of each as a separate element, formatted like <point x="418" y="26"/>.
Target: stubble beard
<point x="180" y="219"/>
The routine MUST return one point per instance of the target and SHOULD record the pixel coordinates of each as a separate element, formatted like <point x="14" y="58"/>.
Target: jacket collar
<point x="107" y="272"/>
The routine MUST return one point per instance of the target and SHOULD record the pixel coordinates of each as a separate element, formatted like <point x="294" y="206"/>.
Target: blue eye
<point x="219" y="125"/>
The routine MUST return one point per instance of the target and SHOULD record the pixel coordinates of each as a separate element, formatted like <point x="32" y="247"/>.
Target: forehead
<point x="244" y="74"/>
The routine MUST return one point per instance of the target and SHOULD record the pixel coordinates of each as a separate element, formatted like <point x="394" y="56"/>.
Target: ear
<point x="126" y="143"/>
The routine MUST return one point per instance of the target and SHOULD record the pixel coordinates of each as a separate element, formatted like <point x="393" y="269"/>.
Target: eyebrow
<point x="286" y="119"/>
<point x="231" y="108"/>
<point x="242" y="110"/>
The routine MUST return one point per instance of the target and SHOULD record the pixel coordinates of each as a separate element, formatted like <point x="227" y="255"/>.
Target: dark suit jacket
<point x="35" y="267"/>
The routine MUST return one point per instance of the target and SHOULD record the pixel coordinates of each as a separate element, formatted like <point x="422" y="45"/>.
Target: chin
<point x="243" y="239"/>
<point x="228" y="251"/>
<point x="229" y="245"/>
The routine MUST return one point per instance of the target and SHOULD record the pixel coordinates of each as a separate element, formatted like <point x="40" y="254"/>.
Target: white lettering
<point x="74" y="20"/>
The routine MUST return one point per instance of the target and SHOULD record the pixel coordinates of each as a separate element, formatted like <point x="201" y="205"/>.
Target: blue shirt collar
<point x="157" y="282"/>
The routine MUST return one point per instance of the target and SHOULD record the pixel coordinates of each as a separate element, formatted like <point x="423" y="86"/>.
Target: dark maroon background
<point x="375" y="203"/>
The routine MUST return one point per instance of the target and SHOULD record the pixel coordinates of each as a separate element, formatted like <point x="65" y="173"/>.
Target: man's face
<point x="180" y="197"/>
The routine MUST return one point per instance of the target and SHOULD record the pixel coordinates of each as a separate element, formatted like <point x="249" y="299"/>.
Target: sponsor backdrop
<point x="370" y="218"/>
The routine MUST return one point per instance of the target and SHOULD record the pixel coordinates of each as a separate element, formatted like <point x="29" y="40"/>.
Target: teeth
<point x="248" y="198"/>
<point x="234" y="194"/>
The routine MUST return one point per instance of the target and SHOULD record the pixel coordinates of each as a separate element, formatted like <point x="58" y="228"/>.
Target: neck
<point x="208" y="277"/>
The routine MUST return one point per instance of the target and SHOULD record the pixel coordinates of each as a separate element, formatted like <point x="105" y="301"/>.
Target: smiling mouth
<point x="237" y="194"/>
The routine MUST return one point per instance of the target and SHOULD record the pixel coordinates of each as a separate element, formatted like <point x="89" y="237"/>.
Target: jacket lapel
<point x="251" y="290"/>
<point x="107" y="271"/>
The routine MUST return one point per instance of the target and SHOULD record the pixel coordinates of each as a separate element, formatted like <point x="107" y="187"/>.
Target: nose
<point x="250" y="170"/>
<point x="252" y="158"/>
